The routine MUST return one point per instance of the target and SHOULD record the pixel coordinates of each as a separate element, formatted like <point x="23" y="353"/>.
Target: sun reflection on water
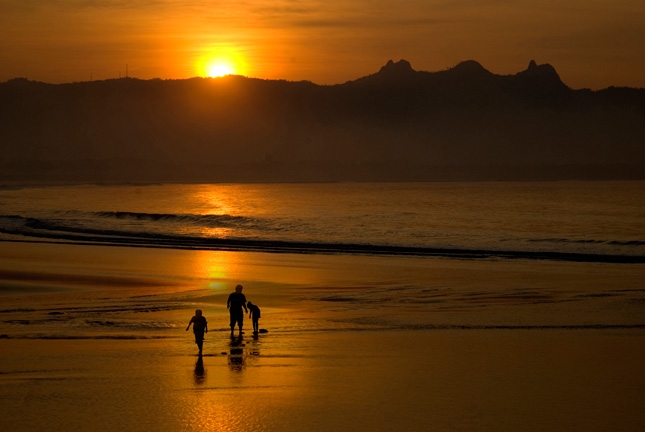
<point x="222" y="270"/>
<point x="238" y="388"/>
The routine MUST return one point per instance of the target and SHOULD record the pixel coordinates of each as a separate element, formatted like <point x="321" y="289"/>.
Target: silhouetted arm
<point x="189" y="323"/>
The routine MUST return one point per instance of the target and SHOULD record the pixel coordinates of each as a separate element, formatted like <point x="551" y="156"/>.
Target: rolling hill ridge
<point x="398" y="124"/>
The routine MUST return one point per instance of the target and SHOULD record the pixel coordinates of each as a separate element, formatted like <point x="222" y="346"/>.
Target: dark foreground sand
<point x="93" y="339"/>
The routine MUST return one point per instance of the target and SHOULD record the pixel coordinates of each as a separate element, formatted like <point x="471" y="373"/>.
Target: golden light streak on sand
<point x="216" y="268"/>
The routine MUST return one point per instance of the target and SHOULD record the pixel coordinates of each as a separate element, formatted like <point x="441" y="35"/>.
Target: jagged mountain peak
<point x="544" y="73"/>
<point x="400" y="65"/>
<point x="396" y="68"/>
<point x="470" y="66"/>
<point x="392" y="73"/>
<point x="545" y="68"/>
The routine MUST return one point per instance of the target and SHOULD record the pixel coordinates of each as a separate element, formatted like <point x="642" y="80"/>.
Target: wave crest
<point x="58" y="230"/>
<point x="209" y="220"/>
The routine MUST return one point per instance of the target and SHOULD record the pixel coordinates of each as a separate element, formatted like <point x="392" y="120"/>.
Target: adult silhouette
<point x="236" y="302"/>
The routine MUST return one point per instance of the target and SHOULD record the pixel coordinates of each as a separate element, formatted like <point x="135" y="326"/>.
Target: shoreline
<point x="284" y="247"/>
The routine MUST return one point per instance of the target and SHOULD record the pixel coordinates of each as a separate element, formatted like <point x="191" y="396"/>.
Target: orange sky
<point x="591" y="43"/>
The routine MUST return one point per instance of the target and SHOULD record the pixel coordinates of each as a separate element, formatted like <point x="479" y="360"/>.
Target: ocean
<point x="387" y="306"/>
<point x="577" y="221"/>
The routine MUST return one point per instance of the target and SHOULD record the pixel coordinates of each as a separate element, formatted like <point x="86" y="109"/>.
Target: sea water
<point x="589" y="221"/>
<point x="98" y="258"/>
<point x="444" y="306"/>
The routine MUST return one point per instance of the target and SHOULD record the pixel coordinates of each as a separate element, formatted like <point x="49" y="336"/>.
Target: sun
<point x="219" y="69"/>
<point x="220" y="61"/>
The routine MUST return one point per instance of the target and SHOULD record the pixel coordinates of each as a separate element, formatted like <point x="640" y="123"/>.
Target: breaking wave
<point x="93" y="230"/>
<point x="205" y="220"/>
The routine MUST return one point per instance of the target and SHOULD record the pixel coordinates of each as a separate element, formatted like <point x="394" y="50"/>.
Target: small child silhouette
<point x="200" y="326"/>
<point x="254" y="314"/>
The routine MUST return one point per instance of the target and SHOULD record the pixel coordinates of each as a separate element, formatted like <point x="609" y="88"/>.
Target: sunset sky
<point x="591" y="43"/>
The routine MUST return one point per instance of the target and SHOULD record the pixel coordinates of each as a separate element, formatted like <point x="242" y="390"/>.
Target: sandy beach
<point x="96" y="341"/>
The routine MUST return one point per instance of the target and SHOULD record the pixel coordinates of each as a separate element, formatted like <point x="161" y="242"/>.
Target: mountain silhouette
<point x="462" y="123"/>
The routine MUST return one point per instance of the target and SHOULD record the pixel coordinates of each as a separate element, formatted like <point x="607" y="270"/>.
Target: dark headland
<point x="399" y="124"/>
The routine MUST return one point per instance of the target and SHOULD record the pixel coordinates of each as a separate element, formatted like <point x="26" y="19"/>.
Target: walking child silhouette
<point x="200" y="326"/>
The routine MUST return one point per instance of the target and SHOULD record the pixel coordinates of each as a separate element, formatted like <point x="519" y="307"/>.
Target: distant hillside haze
<point x="463" y="123"/>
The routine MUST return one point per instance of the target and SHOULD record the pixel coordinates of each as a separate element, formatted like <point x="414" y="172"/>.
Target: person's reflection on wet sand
<point x="236" y="354"/>
<point x="254" y="349"/>
<point x="200" y="373"/>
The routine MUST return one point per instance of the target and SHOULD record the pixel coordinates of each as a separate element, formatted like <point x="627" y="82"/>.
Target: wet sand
<point x="392" y="380"/>
<point x="93" y="339"/>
